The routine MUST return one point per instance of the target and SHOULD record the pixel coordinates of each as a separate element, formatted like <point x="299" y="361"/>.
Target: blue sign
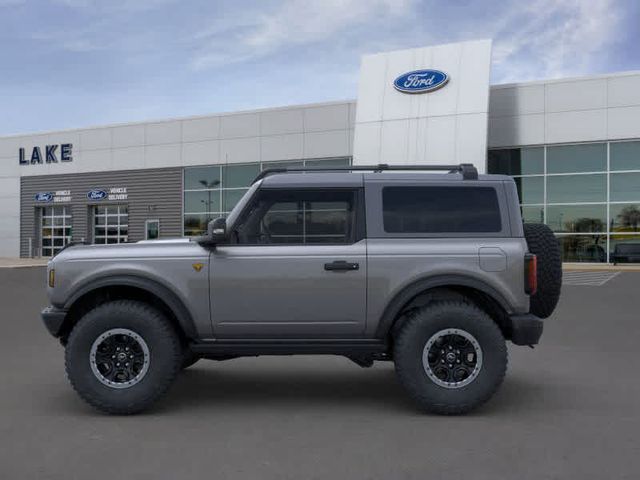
<point x="44" y="196"/>
<point x="421" y="81"/>
<point x="96" y="195"/>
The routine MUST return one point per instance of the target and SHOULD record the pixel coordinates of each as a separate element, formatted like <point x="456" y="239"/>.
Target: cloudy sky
<point x="76" y="63"/>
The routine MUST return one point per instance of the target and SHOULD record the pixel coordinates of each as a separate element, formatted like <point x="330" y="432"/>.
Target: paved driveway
<point x="570" y="409"/>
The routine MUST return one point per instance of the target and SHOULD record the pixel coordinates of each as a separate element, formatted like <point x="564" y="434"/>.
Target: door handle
<point x="341" y="266"/>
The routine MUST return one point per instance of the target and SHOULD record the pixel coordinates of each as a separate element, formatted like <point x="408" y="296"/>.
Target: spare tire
<point x="544" y="245"/>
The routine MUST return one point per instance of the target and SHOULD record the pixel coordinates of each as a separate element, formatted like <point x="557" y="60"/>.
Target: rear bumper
<point x="526" y="329"/>
<point x="53" y="319"/>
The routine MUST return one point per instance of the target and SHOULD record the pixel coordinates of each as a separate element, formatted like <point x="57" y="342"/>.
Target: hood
<point x="173" y="247"/>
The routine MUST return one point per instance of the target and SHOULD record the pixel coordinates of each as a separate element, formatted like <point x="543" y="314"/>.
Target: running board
<point x="252" y="347"/>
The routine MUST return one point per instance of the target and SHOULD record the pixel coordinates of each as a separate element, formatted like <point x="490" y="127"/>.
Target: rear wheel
<point x="450" y="356"/>
<point x="122" y="356"/>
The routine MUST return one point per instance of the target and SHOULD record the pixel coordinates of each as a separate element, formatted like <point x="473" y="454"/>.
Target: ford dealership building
<point x="572" y="145"/>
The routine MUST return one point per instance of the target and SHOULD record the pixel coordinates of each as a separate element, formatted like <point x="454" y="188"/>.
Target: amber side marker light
<point x="530" y="274"/>
<point x="52" y="278"/>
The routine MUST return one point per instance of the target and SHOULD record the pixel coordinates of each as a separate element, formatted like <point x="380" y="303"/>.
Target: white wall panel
<point x="9" y="166"/>
<point x="240" y="150"/>
<point x="397" y="105"/>
<point x="624" y="122"/>
<point x="473" y="77"/>
<point x="278" y="122"/>
<point x="128" y="136"/>
<point x="241" y="125"/>
<point x="441" y="139"/>
<point x="371" y="88"/>
<point x="326" y="117"/>
<point x="520" y="130"/>
<point x="95" y="161"/>
<point x="624" y="90"/>
<point x="580" y="126"/>
<point x="10" y="245"/>
<point x="326" y="144"/>
<point x="95" y="139"/>
<point x="127" y="158"/>
<point x="517" y="100"/>
<point x="406" y="139"/>
<point x="197" y="129"/>
<point x="157" y="156"/>
<point x="395" y="142"/>
<point x="470" y="128"/>
<point x="9" y="148"/>
<point x="576" y="95"/>
<point x="366" y="141"/>
<point x="352" y="115"/>
<point x="163" y="133"/>
<point x="9" y="187"/>
<point x="201" y="153"/>
<point x="281" y="147"/>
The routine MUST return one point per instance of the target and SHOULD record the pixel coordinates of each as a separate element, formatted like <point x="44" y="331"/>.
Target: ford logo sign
<point x="44" y="197"/>
<point x="421" y="81"/>
<point x="97" y="195"/>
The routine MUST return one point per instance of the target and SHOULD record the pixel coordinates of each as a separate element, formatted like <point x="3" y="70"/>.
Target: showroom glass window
<point x="213" y="191"/>
<point x="589" y="194"/>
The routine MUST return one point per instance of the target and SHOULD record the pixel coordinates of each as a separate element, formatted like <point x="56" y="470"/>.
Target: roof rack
<point x="468" y="171"/>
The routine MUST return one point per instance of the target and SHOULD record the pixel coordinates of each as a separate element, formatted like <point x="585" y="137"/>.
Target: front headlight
<point x="52" y="277"/>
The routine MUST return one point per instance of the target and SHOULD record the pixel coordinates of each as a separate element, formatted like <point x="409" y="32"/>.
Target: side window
<point x="440" y="210"/>
<point x="300" y="217"/>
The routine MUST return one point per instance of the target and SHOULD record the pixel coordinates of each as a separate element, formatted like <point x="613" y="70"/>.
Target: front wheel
<point x="450" y="356"/>
<point x="122" y="356"/>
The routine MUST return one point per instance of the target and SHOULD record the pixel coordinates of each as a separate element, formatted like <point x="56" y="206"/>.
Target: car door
<point x="295" y="266"/>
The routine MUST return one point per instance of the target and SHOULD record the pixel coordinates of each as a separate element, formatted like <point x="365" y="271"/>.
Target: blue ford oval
<point x="44" y="196"/>
<point x="421" y="81"/>
<point x="97" y="195"/>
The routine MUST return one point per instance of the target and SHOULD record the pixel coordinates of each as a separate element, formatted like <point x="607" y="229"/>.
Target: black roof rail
<point x="468" y="171"/>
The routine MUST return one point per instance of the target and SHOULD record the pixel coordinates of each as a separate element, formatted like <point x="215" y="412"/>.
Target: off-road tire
<point x="165" y="356"/>
<point x="543" y="243"/>
<point x="414" y="334"/>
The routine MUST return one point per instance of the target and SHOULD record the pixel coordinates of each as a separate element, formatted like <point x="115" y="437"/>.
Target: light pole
<point x="209" y="186"/>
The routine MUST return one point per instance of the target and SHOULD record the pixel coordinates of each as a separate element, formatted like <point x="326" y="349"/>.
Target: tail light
<point x="530" y="274"/>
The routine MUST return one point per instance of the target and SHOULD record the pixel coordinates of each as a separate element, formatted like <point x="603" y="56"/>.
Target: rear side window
<point x="440" y="210"/>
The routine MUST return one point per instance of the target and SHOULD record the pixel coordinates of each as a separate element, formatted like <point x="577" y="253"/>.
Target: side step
<point x="255" y="347"/>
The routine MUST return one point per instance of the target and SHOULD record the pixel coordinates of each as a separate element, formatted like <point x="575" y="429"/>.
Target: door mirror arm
<point x="216" y="232"/>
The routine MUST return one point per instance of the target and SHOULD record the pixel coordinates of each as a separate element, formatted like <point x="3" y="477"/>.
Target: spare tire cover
<point x="543" y="243"/>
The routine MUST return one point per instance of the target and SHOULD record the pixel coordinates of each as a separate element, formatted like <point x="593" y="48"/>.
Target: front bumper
<point x="526" y="329"/>
<point x="53" y="319"/>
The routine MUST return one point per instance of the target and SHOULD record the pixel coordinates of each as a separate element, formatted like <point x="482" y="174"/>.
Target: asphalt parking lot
<point x="569" y="409"/>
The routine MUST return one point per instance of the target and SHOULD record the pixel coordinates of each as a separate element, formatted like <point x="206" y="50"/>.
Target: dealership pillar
<point x="435" y="119"/>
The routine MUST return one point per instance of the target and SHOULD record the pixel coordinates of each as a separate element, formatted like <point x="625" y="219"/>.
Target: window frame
<point x="357" y="231"/>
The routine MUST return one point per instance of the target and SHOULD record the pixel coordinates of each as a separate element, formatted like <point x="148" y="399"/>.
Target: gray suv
<point x="434" y="272"/>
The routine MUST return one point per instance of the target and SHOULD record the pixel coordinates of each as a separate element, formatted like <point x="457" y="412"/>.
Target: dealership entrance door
<point x="55" y="230"/>
<point x="110" y="224"/>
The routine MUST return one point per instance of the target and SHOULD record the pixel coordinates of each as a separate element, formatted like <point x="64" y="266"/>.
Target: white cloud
<point x="294" y="22"/>
<point x="553" y="38"/>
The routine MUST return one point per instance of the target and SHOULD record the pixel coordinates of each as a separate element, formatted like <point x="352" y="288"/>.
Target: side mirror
<point x="217" y="230"/>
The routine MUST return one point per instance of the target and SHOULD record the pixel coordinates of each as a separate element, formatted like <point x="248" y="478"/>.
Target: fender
<point x="172" y="300"/>
<point x="394" y="307"/>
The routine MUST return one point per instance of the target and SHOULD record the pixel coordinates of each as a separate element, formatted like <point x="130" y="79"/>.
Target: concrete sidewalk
<point x="8" y="262"/>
